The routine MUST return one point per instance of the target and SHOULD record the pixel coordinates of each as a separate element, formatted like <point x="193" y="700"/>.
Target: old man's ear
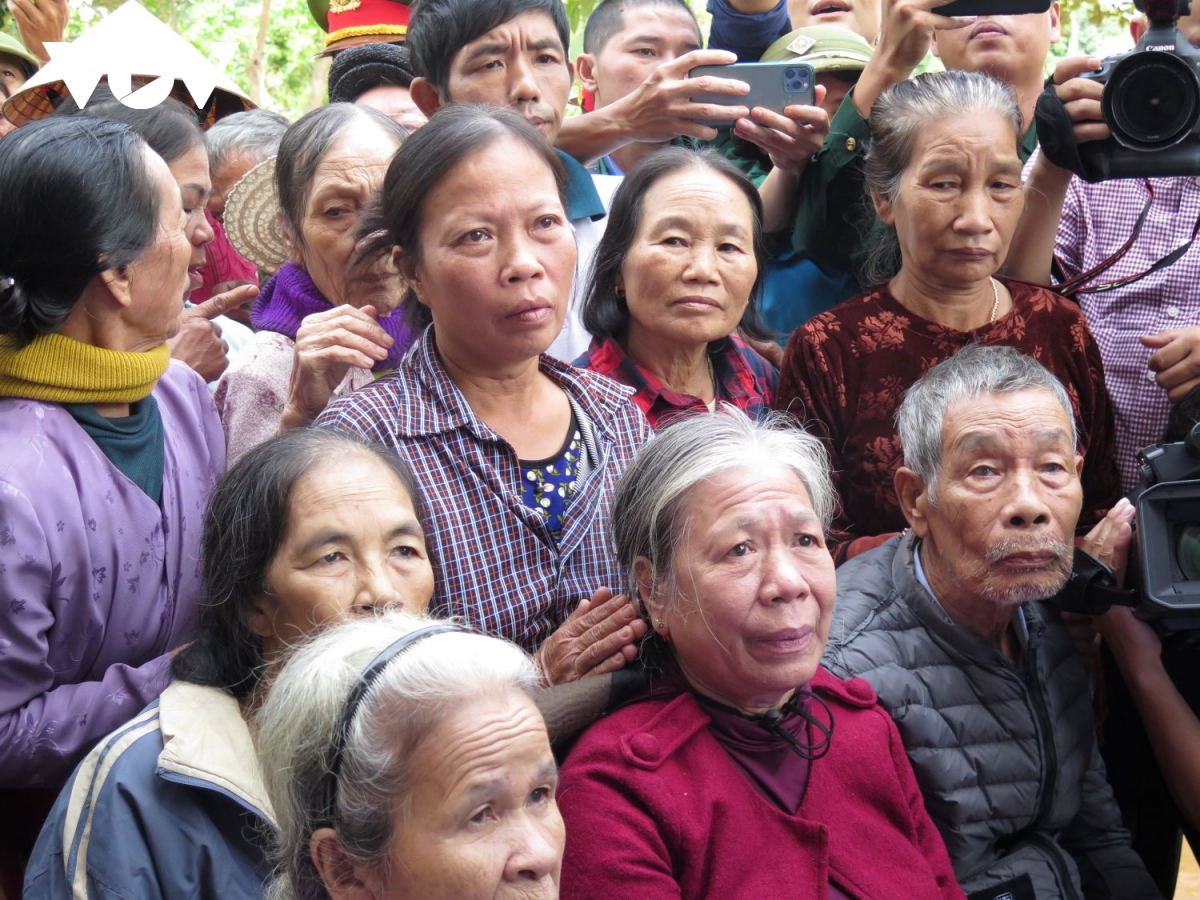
<point x="914" y="499"/>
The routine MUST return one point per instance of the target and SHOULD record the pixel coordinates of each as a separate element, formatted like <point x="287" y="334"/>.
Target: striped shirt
<point x="1096" y="220"/>
<point x="495" y="562"/>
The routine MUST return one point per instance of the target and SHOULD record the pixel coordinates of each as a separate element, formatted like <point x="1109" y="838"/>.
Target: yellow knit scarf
<point x="57" y="369"/>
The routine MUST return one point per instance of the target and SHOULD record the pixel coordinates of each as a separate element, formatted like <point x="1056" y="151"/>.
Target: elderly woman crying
<point x="748" y="770"/>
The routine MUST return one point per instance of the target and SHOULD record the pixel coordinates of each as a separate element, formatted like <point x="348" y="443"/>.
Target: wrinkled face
<point x="396" y="103"/>
<point x="520" y="64"/>
<point x="649" y="37"/>
<point x="688" y="273"/>
<point x="861" y="16"/>
<point x="497" y="256"/>
<point x="158" y="280"/>
<point x="755" y="588"/>
<point x="483" y="823"/>
<point x="344" y="181"/>
<point x="959" y="199"/>
<point x="1006" y="500"/>
<point x="191" y="174"/>
<point x="353" y="546"/>
<point x="228" y="172"/>
<point x="1012" y="49"/>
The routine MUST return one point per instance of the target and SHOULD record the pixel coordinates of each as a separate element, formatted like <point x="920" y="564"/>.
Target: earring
<point x="619" y="292"/>
<point x="659" y="623"/>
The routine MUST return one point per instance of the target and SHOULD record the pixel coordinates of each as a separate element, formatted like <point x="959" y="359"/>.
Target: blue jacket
<point x="170" y="805"/>
<point x="746" y="34"/>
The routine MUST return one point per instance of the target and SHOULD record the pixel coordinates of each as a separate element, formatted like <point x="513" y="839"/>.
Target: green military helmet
<point x="10" y="46"/>
<point x="827" y="48"/>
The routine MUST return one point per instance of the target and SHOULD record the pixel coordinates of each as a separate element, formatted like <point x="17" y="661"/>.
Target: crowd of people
<point x="450" y="496"/>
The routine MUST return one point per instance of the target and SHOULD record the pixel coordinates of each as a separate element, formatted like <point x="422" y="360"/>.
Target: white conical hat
<point x="143" y="61"/>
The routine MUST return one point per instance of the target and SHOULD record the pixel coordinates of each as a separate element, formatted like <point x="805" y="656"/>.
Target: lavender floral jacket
<point x="97" y="582"/>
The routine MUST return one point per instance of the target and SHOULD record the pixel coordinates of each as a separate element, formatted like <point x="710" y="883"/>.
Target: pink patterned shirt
<point x="251" y="394"/>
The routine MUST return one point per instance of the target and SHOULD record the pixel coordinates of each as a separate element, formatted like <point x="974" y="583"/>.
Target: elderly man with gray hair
<point x="236" y="144"/>
<point x="948" y="622"/>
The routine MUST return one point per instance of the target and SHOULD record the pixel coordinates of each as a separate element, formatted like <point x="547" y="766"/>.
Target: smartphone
<point x="773" y="85"/>
<point x="993" y="7"/>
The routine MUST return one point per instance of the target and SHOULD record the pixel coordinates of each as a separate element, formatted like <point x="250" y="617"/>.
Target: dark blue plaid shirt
<point x="495" y="562"/>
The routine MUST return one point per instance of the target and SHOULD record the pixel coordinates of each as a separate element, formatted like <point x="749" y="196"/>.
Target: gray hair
<point x="305" y="144"/>
<point x="975" y="371"/>
<point x="255" y="131"/>
<point x="647" y="519"/>
<point x="898" y="116"/>
<point x="298" y="724"/>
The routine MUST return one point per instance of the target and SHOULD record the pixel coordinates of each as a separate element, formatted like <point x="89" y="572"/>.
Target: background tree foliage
<point x="279" y="39"/>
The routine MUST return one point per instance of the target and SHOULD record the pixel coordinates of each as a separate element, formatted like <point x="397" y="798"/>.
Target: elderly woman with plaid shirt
<point x="518" y="453"/>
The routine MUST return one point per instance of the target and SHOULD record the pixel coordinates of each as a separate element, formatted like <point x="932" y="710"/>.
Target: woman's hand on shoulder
<point x="328" y="345"/>
<point x="600" y="636"/>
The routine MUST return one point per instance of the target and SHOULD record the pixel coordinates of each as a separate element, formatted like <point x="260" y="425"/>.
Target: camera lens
<point x="789" y="74"/>
<point x="1187" y="552"/>
<point x="1151" y="101"/>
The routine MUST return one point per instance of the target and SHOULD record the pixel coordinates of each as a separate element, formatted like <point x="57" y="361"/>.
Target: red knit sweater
<point x="656" y="808"/>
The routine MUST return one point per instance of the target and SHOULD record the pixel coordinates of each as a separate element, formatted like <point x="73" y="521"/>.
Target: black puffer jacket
<point x="1004" y="750"/>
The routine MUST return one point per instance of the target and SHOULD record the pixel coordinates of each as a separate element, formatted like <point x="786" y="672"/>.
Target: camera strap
<point x="1079" y="284"/>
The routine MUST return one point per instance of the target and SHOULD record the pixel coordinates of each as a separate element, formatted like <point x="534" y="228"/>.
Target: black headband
<point x="361" y="686"/>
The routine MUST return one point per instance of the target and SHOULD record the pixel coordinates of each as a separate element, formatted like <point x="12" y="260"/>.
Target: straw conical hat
<point x="252" y="218"/>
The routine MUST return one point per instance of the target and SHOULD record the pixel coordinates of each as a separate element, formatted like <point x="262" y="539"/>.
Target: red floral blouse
<point x="845" y="372"/>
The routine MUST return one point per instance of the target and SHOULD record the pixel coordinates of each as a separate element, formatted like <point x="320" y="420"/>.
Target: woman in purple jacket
<point x="109" y="448"/>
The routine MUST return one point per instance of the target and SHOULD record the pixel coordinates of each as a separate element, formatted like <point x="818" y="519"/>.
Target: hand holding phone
<point x="661" y="108"/>
<point x="789" y="139"/>
<point x="773" y="85"/>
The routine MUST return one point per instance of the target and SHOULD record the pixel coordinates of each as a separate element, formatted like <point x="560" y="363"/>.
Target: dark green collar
<point x="133" y="443"/>
<point x="1029" y="142"/>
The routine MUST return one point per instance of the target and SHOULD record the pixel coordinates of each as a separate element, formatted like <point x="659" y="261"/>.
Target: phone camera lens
<point x="790" y="74"/>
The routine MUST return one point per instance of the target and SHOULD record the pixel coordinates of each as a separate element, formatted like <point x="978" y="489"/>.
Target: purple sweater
<point x="97" y="582"/>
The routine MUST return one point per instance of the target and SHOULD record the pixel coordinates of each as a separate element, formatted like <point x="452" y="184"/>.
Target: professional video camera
<point x="1168" y="543"/>
<point x="1151" y="103"/>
